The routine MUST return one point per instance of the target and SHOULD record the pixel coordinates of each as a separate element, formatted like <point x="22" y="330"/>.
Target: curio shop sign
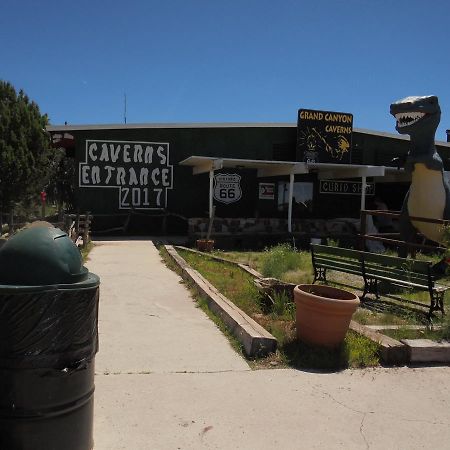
<point x="345" y="187"/>
<point x="139" y="171"/>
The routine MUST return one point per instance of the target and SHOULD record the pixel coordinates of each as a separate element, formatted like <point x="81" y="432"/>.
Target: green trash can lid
<point x="41" y="256"/>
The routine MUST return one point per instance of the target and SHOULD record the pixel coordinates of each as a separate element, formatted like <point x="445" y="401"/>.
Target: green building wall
<point x="189" y="194"/>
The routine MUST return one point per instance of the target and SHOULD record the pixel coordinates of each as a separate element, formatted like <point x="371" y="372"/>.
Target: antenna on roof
<point x="124" y="108"/>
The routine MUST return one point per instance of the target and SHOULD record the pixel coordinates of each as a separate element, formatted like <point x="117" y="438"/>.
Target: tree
<point x="62" y="182"/>
<point x="25" y="151"/>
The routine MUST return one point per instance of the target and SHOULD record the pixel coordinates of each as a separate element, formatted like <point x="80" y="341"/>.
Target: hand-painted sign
<point x="266" y="191"/>
<point x="324" y="136"/>
<point x="345" y="187"/>
<point x="227" y="187"/>
<point x="140" y="171"/>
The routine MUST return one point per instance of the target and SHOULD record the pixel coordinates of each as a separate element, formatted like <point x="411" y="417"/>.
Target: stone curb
<point x="425" y="350"/>
<point x="406" y="351"/>
<point x="401" y="327"/>
<point x="393" y="352"/>
<point x="254" y="338"/>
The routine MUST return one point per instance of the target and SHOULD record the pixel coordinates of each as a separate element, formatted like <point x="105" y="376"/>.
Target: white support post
<point x="291" y="193"/>
<point x="363" y="192"/>
<point x="211" y="187"/>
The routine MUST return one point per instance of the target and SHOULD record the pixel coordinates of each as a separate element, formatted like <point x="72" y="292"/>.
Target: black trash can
<point x="48" y="342"/>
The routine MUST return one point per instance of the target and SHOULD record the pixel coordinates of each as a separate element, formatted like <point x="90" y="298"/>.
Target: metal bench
<point x="340" y="259"/>
<point x="375" y="268"/>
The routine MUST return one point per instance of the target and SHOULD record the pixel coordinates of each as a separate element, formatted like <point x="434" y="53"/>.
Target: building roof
<point x="122" y="126"/>
<point x="131" y="126"/>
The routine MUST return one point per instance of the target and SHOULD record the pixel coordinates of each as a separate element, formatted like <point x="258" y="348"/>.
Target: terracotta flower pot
<point x="323" y="313"/>
<point x="205" y="245"/>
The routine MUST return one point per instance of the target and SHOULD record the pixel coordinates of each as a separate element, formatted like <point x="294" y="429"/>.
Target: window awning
<point x="204" y="164"/>
<point x="324" y="171"/>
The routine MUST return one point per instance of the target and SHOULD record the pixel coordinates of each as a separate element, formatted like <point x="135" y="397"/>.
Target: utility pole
<point x="125" y="108"/>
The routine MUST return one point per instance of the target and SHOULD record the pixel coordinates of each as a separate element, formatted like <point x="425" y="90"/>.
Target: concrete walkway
<point x="168" y="379"/>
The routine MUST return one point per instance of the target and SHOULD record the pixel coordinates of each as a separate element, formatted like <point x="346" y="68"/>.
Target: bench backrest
<point x="403" y="269"/>
<point x="378" y="265"/>
<point x="344" y="259"/>
<point x="327" y="250"/>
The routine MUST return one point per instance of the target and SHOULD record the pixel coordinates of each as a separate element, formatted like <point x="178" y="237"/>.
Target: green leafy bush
<point x="283" y="307"/>
<point x="279" y="260"/>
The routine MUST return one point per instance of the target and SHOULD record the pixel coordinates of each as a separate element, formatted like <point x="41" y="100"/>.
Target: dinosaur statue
<point x="429" y="193"/>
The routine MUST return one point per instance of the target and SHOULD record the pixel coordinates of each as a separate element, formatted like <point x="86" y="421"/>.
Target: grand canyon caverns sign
<point x="139" y="171"/>
<point x="324" y="136"/>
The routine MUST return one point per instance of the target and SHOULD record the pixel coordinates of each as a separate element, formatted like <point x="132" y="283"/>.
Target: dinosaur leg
<point x="407" y="230"/>
<point x="407" y="234"/>
<point x="446" y="215"/>
<point x="440" y="268"/>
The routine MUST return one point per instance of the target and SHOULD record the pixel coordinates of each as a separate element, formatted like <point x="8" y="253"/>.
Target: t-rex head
<point x="417" y="115"/>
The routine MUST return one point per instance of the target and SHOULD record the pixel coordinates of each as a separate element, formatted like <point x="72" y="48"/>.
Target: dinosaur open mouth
<point x="408" y="118"/>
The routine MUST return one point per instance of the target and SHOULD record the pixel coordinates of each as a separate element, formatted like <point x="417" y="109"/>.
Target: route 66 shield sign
<point x="227" y="187"/>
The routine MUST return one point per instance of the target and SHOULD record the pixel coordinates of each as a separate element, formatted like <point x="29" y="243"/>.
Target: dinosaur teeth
<point x="408" y="118"/>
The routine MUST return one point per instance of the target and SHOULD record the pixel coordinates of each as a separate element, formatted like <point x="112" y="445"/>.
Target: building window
<point x="302" y="197"/>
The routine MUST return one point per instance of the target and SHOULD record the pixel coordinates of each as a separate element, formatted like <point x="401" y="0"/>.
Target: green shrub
<point x="280" y="259"/>
<point x="445" y="331"/>
<point x="283" y="307"/>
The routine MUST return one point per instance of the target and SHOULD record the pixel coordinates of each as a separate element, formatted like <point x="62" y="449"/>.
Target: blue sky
<point x="227" y="61"/>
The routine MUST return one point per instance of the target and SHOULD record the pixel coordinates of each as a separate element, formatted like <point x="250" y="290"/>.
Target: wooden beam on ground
<point x="254" y="338"/>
